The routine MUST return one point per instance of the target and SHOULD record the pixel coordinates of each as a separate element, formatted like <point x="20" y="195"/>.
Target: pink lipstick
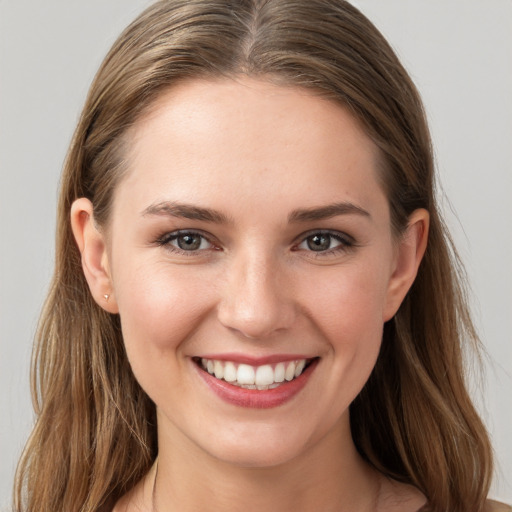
<point x="255" y="383"/>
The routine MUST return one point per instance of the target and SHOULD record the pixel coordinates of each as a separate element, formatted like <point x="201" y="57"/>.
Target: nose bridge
<point x="256" y="301"/>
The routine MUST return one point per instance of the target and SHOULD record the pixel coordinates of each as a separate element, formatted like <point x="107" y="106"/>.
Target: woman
<point x="248" y="203"/>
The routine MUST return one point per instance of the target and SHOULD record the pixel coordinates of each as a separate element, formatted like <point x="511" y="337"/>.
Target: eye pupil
<point x="319" y="242"/>
<point x="189" y="242"/>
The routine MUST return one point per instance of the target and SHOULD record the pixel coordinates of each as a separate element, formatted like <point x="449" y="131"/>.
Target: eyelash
<point x="167" y="239"/>
<point x="346" y="242"/>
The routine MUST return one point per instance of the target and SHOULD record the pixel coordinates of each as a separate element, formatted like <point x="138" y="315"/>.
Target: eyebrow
<point x="326" y="212"/>
<point x="186" y="211"/>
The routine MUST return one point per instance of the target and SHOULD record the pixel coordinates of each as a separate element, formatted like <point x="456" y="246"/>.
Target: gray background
<point x="459" y="52"/>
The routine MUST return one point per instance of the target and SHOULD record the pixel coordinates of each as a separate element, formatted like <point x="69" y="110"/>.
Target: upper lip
<point x="255" y="361"/>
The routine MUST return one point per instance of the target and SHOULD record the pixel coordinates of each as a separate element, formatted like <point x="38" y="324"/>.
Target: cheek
<point x="347" y="304"/>
<point x="347" y="308"/>
<point x="159" y="309"/>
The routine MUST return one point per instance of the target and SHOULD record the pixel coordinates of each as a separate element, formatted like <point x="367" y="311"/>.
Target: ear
<point x="92" y="246"/>
<point x="409" y="253"/>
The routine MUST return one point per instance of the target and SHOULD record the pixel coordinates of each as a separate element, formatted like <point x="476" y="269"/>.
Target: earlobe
<point x="410" y="251"/>
<point x="94" y="257"/>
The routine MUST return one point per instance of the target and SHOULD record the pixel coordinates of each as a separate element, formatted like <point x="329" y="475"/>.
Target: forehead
<point x="203" y="139"/>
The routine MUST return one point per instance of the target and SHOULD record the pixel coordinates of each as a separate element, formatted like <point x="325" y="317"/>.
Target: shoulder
<point x="496" y="506"/>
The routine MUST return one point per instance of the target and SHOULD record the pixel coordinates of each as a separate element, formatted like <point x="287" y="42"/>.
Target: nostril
<point x="255" y="301"/>
<point x="256" y="322"/>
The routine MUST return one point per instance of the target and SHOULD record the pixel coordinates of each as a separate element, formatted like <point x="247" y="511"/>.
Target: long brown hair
<point x="95" y="434"/>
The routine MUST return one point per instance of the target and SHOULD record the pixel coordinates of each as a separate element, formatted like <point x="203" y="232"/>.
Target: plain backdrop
<point x="459" y="52"/>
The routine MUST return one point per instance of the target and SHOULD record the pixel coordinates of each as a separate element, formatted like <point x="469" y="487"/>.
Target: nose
<point x="257" y="299"/>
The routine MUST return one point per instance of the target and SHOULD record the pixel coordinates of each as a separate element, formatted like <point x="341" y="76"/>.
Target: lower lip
<point x="257" y="399"/>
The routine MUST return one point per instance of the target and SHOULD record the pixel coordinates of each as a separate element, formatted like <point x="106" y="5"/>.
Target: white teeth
<point x="289" y="374"/>
<point x="260" y="377"/>
<point x="300" y="367"/>
<point x="218" y="369"/>
<point x="264" y="375"/>
<point x="245" y="374"/>
<point x="230" y="372"/>
<point x="279" y="373"/>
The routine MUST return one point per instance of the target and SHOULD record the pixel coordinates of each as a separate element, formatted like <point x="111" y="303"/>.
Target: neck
<point x="330" y="476"/>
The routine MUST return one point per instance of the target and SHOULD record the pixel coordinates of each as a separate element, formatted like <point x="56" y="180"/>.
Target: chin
<point x="257" y="447"/>
<point x="254" y="457"/>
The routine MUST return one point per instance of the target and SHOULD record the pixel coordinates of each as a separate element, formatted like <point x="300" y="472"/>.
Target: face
<point x="251" y="260"/>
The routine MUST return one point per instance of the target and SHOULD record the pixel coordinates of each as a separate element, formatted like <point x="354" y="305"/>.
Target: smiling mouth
<point x="263" y="377"/>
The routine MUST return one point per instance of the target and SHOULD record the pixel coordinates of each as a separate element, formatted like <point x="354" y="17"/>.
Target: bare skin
<point x="214" y="456"/>
<point x="496" y="506"/>
<point x="280" y="248"/>
<point x="384" y="495"/>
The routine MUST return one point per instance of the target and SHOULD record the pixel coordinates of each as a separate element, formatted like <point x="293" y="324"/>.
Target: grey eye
<point x="189" y="241"/>
<point x="319" y="242"/>
<point x="325" y="242"/>
<point x="186" y="242"/>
